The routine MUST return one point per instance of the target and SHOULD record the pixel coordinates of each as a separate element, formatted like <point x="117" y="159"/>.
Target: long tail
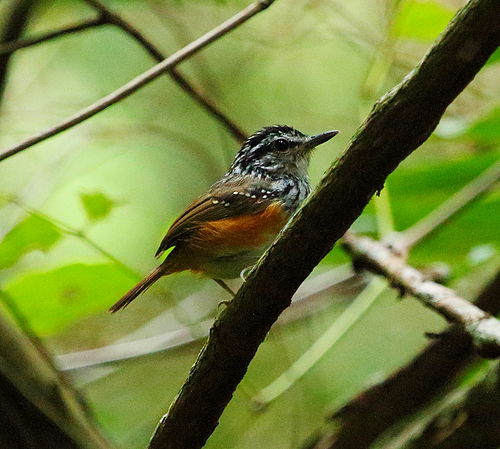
<point x="140" y="287"/>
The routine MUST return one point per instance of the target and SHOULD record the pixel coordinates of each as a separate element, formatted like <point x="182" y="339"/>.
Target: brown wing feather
<point x="212" y="206"/>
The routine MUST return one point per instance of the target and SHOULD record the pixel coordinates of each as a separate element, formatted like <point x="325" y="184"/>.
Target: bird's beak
<point x="318" y="139"/>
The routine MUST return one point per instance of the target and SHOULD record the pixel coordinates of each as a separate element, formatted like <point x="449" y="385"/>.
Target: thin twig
<point x="106" y="16"/>
<point x="12" y="46"/>
<point x="377" y="257"/>
<point x="196" y="94"/>
<point x="143" y="79"/>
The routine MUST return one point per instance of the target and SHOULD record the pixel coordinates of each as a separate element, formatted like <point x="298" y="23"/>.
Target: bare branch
<point x="196" y="94"/>
<point x="401" y="121"/>
<point x="377" y="257"/>
<point x="407" y="389"/>
<point x="12" y="46"/>
<point x="143" y="79"/>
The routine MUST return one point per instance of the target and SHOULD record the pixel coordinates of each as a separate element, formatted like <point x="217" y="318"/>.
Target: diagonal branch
<point x="469" y="419"/>
<point x="377" y="257"/>
<point x="408" y="388"/>
<point x="30" y="373"/>
<point x="196" y="94"/>
<point x="106" y="16"/>
<point x="143" y="79"/>
<point x="401" y="121"/>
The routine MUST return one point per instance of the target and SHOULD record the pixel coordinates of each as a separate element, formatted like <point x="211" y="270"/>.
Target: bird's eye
<point x="280" y="144"/>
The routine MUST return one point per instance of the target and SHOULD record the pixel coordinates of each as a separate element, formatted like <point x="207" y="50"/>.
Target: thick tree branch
<point x="377" y="257"/>
<point x="400" y="245"/>
<point x="409" y="388"/>
<point x="143" y="79"/>
<point x="196" y="94"/>
<point x="14" y="45"/>
<point x="398" y="124"/>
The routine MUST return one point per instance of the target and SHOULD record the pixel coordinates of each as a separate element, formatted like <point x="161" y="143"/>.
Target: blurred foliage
<point x="67" y="251"/>
<point x="33" y="233"/>
<point x="53" y="299"/>
<point x="422" y="20"/>
<point x="97" y="205"/>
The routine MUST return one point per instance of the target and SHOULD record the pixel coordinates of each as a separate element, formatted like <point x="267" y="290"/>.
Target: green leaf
<point x="486" y="131"/>
<point x="33" y="233"/>
<point x="422" y="20"/>
<point x="97" y="205"/>
<point x="495" y="57"/>
<point x="53" y="300"/>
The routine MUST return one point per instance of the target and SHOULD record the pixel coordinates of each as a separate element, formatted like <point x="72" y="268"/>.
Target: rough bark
<point x="401" y="121"/>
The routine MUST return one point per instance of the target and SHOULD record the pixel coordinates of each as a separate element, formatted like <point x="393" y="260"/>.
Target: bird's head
<point x="277" y="150"/>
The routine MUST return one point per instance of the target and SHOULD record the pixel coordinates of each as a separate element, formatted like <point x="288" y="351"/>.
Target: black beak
<point x="318" y="139"/>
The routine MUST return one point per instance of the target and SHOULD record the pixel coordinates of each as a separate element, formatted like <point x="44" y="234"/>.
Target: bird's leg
<point x="225" y="287"/>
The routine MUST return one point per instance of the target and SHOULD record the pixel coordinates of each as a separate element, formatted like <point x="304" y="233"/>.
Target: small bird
<point x="228" y="228"/>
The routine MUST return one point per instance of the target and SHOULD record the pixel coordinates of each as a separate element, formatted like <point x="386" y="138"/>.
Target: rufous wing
<point x="222" y="201"/>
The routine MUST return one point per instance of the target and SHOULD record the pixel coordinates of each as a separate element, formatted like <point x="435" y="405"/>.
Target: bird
<point x="226" y="230"/>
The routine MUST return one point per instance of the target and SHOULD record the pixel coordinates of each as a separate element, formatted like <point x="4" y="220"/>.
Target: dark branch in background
<point x="51" y="405"/>
<point x="24" y="426"/>
<point x="14" y="27"/>
<point x="378" y="258"/>
<point x="401" y="121"/>
<point x="470" y="421"/>
<point x="14" y="45"/>
<point x="374" y="410"/>
<point x="141" y="80"/>
<point x="106" y="16"/>
<point x="196" y="94"/>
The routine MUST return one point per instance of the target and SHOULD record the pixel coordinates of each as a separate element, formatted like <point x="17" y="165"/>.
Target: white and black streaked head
<point x="277" y="150"/>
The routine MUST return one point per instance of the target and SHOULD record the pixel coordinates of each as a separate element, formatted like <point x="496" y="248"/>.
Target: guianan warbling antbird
<point x="228" y="228"/>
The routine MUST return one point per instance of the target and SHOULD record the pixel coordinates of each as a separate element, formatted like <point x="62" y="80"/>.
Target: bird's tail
<point x="140" y="287"/>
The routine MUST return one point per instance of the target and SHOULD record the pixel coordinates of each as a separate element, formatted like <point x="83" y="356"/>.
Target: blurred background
<point x="82" y="213"/>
